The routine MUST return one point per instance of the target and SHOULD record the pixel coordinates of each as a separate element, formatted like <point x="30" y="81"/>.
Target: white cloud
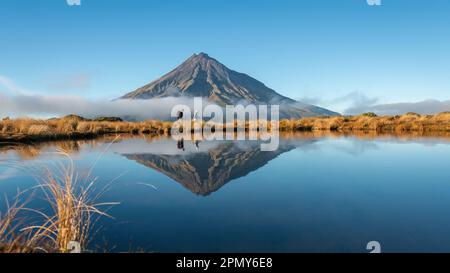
<point x="52" y="105"/>
<point x="422" y="107"/>
<point x="352" y="100"/>
<point x="355" y="103"/>
<point x="16" y="101"/>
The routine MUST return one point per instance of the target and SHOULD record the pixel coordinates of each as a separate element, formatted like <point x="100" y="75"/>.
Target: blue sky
<point x="323" y="51"/>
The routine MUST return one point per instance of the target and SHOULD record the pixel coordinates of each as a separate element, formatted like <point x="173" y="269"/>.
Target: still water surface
<point x="314" y="194"/>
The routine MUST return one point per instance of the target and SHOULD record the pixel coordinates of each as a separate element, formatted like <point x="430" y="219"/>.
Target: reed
<point x="12" y="240"/>
<point x="73" y="212"/>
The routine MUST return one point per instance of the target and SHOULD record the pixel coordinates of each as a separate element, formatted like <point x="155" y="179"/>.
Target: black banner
<point x="224" y="262"/>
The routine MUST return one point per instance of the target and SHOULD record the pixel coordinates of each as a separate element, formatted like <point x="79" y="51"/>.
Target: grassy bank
<point x="74" y="127"/>
<point x="410" y="122"/>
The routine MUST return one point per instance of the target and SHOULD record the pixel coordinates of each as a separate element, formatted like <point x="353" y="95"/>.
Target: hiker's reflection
<point x="180" y="144"/>
<point x="197" y="142"/>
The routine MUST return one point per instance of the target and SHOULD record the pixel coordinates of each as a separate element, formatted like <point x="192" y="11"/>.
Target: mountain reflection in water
<point x="207" y="170"/>
<point x="205" y="167"/>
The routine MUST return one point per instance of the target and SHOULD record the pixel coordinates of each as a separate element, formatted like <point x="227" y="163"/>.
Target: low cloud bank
<point x="20" y="105"/>
<point x="55" y="106"/>
<point x="356" y="103"/>
<point x="346" y="103"/>
<point x="16" y="101"/>
<point x="423" y="107"/>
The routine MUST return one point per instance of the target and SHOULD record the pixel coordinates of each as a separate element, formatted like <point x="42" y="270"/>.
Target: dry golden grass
<point x="369" y="122"/>
<point x="73" y="127"/>
<point x="11" y="239"/>
<point x="73" y="212"/>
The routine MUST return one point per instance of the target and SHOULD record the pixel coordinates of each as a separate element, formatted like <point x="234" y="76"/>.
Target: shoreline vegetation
<point x="75" y="127"/>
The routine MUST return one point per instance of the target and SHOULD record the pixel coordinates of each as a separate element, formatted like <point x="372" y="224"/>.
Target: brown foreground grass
<point x="67" y="225"/>
<point x="74" y="127"/>
<point x="10" y="239"/>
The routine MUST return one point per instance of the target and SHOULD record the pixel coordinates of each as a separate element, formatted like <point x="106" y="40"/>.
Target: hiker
<point x="180" y="145"/>
<point x="197" y="142"/>
<point x="180" y="115"/>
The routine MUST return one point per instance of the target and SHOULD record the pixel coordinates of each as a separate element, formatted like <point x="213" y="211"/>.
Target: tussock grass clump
<point x="370" y="115"/>
<point x="72" y="215"/>
<point x="11" y="241"/>
<point x="37" y="129"/>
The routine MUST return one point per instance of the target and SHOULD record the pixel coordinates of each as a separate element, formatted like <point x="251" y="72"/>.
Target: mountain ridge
<point x="203" y="76"/>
